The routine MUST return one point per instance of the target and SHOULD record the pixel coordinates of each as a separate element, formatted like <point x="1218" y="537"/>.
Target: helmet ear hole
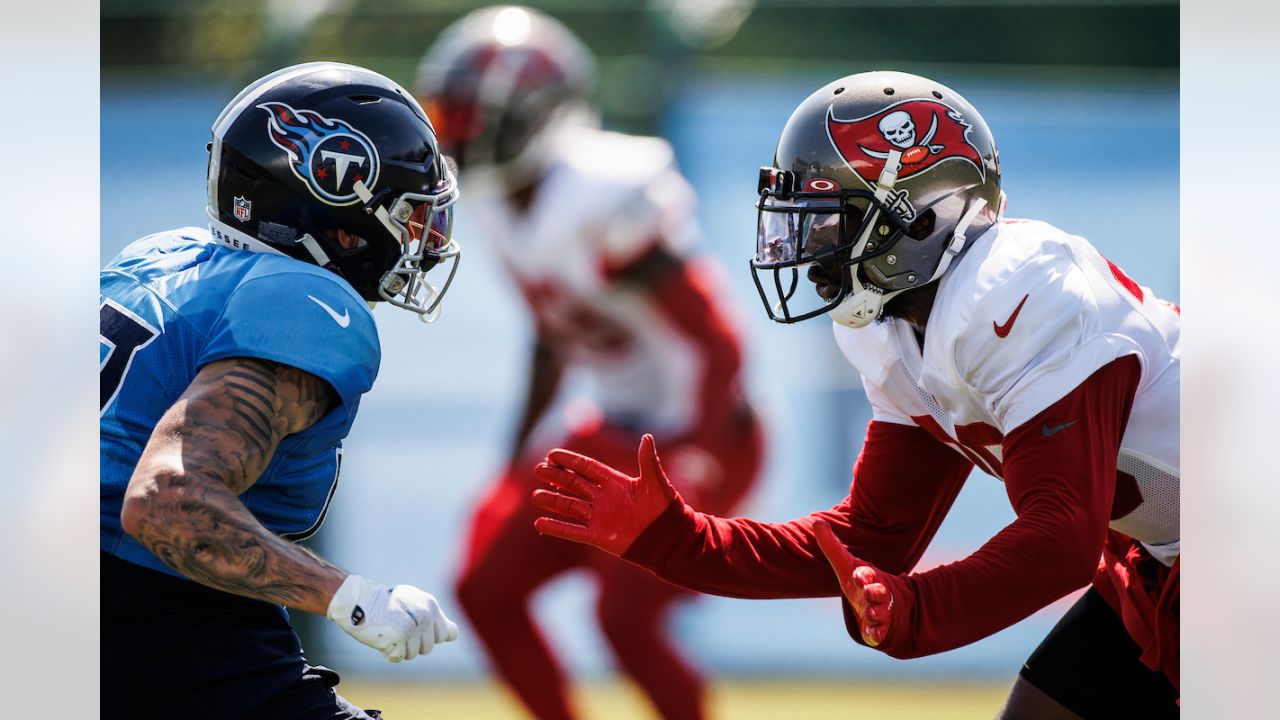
<point x="922" y="227"/>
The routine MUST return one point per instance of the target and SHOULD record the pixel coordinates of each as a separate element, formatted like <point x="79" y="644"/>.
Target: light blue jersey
<point x="173" y="302"/>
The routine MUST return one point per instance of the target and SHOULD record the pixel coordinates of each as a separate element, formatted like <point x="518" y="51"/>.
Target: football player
<point x="233" y="362"/>
<point x="594" y="228"/>
<point x="982" y="341"/>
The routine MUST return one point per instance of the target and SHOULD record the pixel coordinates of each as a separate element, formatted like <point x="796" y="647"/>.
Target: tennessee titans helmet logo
<point x="327" y="154"/>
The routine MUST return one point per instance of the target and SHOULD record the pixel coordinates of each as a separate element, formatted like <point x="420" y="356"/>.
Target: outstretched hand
<point x="864" y="586"/>
<point x="591" y="502"/>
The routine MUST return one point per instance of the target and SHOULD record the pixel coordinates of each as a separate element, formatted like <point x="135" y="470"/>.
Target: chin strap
<point x="865" y="303"/>
<point x="957" y="239"/>
<point x="366" y="196"/>
<point x="239" y="240"/>
<point x="404" y="285"/>
<point x="317" y="253"/>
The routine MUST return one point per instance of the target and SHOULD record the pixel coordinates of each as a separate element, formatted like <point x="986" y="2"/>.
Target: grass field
<point x="730" y="700"/>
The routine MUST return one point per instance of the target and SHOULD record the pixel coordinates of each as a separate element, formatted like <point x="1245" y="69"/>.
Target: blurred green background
<point x="643" y="47"/>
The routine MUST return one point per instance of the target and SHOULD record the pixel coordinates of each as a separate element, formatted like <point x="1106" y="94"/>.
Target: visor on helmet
<point x="833" y="229"/>
<point x="796" y="231"/>
<point x="423" y="224"/>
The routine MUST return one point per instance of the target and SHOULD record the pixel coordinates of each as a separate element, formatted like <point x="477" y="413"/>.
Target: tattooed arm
<point x="182" y="502"/>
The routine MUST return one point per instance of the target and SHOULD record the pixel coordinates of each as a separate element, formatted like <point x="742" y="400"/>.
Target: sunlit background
<point x="1083" y="101"/>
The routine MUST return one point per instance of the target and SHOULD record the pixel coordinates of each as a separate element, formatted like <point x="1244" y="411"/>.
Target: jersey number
<point x="124" y="334"/>
<point x="980" y="442"/>
<point x="573" y="322"/>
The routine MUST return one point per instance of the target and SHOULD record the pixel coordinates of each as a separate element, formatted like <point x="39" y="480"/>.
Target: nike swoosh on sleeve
<point x="1003" y="330"/>
<point x="1054" y="430"/>
<point x="343" y="320"/>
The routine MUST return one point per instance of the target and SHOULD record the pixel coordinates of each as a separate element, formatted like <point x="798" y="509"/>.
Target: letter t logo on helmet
<point x="322" y="151"/>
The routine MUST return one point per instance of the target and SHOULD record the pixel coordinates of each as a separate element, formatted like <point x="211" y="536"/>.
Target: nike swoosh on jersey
<point x="1003" y="330"/>
<point x="1050" y="431"/>
<point x="343" y="320"/>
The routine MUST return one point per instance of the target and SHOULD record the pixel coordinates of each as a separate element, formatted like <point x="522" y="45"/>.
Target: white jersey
<point x="604" y="202"/>
<point x="1022" y="319"/>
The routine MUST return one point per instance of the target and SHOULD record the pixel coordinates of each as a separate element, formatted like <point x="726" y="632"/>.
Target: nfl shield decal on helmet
<point x="327" y="154"/>
<point x="243" y="209"/>
<point x="924" y="131"/>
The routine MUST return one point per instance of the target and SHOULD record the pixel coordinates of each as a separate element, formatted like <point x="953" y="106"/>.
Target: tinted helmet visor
<point x="811" y="239"/>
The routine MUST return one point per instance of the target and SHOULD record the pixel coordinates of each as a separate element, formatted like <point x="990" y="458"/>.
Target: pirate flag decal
<point x="924" y="131"/>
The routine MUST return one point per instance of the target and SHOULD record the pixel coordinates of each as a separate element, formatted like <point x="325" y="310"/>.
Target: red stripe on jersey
<point x="1126" y="281"/>
<point x="687" y="297"/>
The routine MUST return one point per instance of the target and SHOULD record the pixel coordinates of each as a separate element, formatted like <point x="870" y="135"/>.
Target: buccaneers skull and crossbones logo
<point x="926" y="132"/>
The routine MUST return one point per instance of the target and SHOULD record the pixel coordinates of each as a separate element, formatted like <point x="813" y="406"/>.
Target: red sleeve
<point x="686" y="298"/>
<point x="1060" y="471"/>
<point x="890" y="516"/>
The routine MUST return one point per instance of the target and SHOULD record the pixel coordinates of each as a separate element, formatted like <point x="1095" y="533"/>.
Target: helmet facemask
<point x="927" y="178"/>
<point x="423" y="226"/>
<point x="337" y="166"/>
<point x="829" y="227"/>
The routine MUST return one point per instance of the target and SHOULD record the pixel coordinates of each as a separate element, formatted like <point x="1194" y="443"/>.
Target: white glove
<point x="401" y="622"/>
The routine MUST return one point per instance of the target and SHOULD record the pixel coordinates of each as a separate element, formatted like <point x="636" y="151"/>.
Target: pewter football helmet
<point x="885" y="175"/>
<point x="499" y="83"/>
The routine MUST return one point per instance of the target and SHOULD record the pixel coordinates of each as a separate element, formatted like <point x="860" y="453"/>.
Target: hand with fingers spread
<point x="866" y="587"/>
<point x="591" y="502"/>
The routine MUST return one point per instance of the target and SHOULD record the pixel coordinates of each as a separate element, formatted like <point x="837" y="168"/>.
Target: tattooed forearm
<point x="211" y="446"/>
<point x="204" y="532"/>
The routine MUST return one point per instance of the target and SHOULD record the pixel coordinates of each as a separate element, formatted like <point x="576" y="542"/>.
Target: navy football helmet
<point x="318" y="148"/>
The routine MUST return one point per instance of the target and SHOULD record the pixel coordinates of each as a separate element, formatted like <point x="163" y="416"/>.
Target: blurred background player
<point x="595" y="228"/>
<point x="1004" y="344"/>
<point x="233" y="363"/>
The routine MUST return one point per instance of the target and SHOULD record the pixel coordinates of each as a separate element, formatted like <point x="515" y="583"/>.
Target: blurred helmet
<point x="321" y="147"/>
<point x="499" y="84"/>
<point x="884" y="177"/>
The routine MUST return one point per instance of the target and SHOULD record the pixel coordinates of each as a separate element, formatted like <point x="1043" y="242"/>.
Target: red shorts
<point x="1144" y="593"/>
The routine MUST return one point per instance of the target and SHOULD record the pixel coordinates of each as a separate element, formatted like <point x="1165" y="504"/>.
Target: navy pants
<point x="176" y="649"/>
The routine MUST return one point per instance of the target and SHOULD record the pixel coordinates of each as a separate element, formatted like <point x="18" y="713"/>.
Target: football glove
<point x="864" y="586"/>
<point x="590" y="502"/>
<point x="402" y="622"/>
